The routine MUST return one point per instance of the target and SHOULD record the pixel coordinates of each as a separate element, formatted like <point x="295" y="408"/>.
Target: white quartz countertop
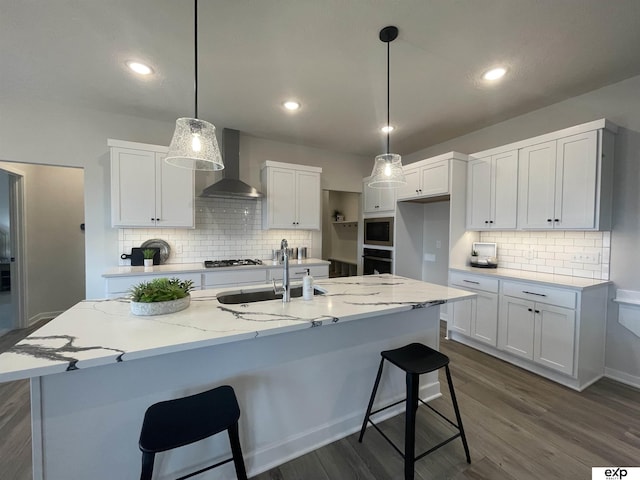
<point x="176" y="268"/>
<point x="577" y="283"/>
<point x="101" y="332"/>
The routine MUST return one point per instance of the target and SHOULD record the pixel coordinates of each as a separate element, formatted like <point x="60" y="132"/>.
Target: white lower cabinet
<point x="555" y="331"/>
<point x="298" y="272"/>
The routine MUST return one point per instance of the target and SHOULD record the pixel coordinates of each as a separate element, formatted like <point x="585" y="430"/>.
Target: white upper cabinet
<point x="146" y="191"/>
<point x="492" y="192"/>
<point x="378" y="200"/>
<point x="559" y="184"/>
<point x="427" y="178"/>
<point x="292" y="196"/>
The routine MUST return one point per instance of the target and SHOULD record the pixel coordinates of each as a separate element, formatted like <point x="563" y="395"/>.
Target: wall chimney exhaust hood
<point x="231" y="186"/>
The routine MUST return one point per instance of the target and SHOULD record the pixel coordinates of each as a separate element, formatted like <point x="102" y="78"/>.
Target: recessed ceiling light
<point x="494" y="73"/>
<point x="387" y="129"/>
<point x="291" y="105"/>
<point x="140" y="68"/>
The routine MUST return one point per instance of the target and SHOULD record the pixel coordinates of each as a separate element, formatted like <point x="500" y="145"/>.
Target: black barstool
<point x="176" y="423"/>
<point x="415" y="359"/>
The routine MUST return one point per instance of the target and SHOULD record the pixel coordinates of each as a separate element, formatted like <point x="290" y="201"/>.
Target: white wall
<point x="71" y="136"/>
<point x="55" y="258"/>
<point x="619" y="103"/>
<point x="4" y="201"/>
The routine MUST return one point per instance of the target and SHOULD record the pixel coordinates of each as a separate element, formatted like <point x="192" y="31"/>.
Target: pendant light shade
<point x="194" y="144"/>
<point x="387" y="169"/>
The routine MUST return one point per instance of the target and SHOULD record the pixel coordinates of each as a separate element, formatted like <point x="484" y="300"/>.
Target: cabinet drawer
<point x="539" y="293"/>
<point x="474" y="281"/>
<point x="296" y="272"/>
<point x="123" y="284"/>
<point x="234" y="277"/>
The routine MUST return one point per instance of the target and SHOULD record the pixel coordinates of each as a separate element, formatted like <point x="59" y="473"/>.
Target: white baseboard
<point x="278" y="453"/>
<point x="622" y="377"/>
<point x="42" y="316"/>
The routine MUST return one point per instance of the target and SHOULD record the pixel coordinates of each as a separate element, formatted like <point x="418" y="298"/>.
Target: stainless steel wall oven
<point x="376" y="261"/>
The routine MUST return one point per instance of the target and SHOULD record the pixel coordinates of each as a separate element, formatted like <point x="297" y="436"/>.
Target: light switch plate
<point x="429" y="257"/>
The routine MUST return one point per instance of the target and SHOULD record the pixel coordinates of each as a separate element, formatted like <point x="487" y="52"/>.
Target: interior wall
<point x="435" y="267"/>
<point x="4" y="201"/>
<point x="619" y="103"/>
<point x="342" y="238"/>
<point x="55" y="246"/>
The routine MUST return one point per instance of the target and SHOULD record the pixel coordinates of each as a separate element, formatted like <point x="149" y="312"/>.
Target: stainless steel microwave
<point x="378" y="231"/>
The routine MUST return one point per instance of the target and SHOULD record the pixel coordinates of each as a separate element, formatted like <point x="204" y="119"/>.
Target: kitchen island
<point x="302" y="372"/>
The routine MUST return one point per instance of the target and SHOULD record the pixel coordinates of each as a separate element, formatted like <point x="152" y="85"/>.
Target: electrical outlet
<point x="593" y="258"/>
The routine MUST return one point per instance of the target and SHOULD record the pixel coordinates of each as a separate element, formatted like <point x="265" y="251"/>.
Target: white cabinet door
<point x="516" y="325"/>
<point x="133" y="188"/>
<point x="460" y="314"/>
<point x="281" y="197"/>
<point x="434" y="179"/>
<point x="479" y="194"/>
<point x="484" y="323"/>
<point x="536" y="186"/>
<point x="504" y="190"/>
<point x="576" y="174"/>
<point x="308" y="200"/>
<point x="174" y="194"/>
<point x="411" y="189"/>
<point x="377" y="200"/>
<point x="555" y="329"/>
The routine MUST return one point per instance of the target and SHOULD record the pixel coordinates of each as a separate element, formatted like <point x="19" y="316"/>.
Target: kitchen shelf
<point x="342" y="268"/>
<point x="347" y="223"/>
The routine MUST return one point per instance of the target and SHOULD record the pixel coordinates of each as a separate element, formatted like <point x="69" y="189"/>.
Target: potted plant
<point x="160" y="296"/>
<point x="148" y="254"/>
<point x="474" y="257"/>
<point x="337" y="216"/>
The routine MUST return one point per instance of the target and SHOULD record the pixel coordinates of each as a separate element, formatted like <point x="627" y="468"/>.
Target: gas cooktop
<point x="231" y="263"/>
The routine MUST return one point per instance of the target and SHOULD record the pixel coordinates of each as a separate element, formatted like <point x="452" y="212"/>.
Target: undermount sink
<point x="234" y="298"/>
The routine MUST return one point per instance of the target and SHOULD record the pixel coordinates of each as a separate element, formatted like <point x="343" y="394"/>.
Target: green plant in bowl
<point x="148" y="253"/>
<point x="161" y="290"/>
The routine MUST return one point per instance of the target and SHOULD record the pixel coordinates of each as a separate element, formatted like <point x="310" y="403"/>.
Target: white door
<point x="308" y="200"/>
<point x="504" y="190"/>
<point x="479" y="194"/>
<point x="484" y="326"/>
<point x="133" y="188"/>
<point x="282" y="197"/>
<point x="516" y="327"/>
<point x="435" y="179"/>
<point x="576" y="173"/>
<point x="175" y="194"/>
<point x="536" y="186"/>
<point x="554" y="337"/>
<point x="410" y="190"/>
<point x="460" y="314"/>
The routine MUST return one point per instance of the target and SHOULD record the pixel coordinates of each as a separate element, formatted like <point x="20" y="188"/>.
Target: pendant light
<point x="387" y="169"/>
<point x="194" y="144"/>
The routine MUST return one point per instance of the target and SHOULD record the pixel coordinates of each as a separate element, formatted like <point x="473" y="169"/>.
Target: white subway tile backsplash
<point x="553" y="251"/>
<point x="225" y="228"/>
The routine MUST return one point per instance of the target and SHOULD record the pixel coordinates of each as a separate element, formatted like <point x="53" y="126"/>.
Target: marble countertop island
<point x="101" y="332"/>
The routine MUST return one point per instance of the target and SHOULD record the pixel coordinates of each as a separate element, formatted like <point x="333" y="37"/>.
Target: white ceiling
<point x="256" y="53"/>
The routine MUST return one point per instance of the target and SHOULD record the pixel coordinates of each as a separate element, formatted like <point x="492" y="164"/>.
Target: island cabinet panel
<point x="234" y="277"/>
<point x="378" y="200"/>
<point x="292" y="196"/>
<point x="555" y="331"/>
<point x="119" y="286"/>
<point x="492" y="192"/>
<point x="148" y="192"/>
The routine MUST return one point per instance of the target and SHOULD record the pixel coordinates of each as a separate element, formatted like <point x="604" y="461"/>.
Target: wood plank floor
<point x="519" y="426"/>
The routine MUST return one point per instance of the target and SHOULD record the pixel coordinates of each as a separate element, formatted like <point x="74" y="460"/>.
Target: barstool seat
<point x="175" y="423"/>
<point x="415" y="359"/>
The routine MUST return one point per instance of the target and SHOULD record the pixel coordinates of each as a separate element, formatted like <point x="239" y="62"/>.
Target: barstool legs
<point x="147" y="465"/>
<point x="236" y="451"/>
<point x="373" y="396"/>
<point x="458" y="418"/>
<point x="413" y="382"/>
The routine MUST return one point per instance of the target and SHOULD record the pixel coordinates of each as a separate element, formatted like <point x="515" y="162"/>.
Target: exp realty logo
<point x="615" y="473"/>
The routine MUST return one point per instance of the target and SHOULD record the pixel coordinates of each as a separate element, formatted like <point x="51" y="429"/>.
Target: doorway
<point x="12" y="303"/>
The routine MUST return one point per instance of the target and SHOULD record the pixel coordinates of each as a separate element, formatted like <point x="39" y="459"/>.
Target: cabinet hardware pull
<point x="533" y="293"/>
<point x="537" y="311"/>
<point x="486" y="221"/>
<point x="548" y="219"/>
<point x="490" y="221"/>
<point x="530" y="309"/>
<point x="471" y="281"/>
<point x="556" y="220"/>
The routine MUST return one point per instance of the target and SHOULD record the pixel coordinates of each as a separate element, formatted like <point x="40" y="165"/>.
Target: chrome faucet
<point x="286" y="284"/>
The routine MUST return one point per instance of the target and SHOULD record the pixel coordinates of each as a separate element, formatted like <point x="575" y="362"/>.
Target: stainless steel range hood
<point x="230" y="186"/>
